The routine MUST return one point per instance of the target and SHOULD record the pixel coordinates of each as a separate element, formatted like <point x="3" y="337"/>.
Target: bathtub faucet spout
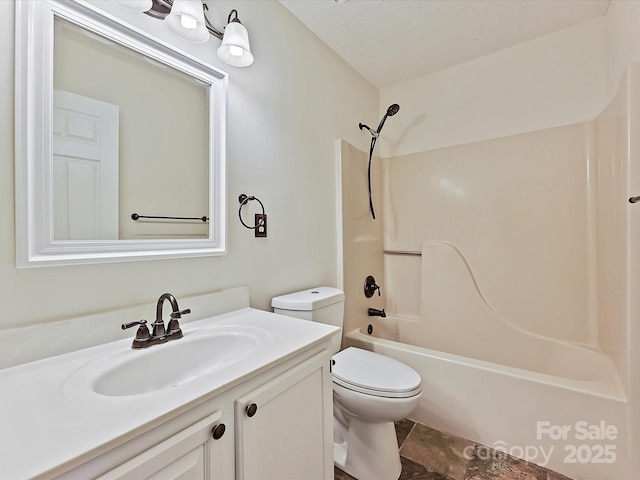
<point x="374" y="312"/>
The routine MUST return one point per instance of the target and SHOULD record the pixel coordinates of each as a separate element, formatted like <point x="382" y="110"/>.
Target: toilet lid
<point x="374" y="373"/>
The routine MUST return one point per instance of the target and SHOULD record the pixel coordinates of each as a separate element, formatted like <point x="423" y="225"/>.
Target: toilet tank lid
<point x="310" y="299"/>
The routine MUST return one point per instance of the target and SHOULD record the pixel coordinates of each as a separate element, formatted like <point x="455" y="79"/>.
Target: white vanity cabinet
<point x="277" y="426"/>
<point x="284" y="428"/>
<point x="193" y="453"/>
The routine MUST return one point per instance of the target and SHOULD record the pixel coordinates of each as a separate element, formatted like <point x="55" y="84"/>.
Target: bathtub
<point x="541" y="400"/>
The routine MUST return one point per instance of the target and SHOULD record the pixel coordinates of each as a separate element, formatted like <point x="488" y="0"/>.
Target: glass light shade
<point x="235" y="48"/>
<point x="187" y="20"/>
<point x="140" y="5"/>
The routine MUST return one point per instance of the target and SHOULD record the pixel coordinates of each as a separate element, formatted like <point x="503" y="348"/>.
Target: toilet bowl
<point x="370" y="392"/>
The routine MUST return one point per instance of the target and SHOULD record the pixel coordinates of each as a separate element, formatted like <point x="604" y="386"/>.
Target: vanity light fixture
<point x="187" y="19"/>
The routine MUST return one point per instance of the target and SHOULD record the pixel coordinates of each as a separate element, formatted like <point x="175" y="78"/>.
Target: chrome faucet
<point x="159" y="334"/>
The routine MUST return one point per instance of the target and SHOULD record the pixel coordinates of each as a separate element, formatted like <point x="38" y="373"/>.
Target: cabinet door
<point x="188" y="455"/>
<point x="284" y="428"/>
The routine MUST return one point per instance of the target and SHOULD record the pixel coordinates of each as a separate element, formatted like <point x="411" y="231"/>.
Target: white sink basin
<point x="136" y="372"/>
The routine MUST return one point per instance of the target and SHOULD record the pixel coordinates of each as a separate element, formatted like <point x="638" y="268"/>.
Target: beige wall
<point x="361" y="235"/>
<point x="284" y="115"/>
<point x="555" y="80"/>
<point x="622" y="40"/>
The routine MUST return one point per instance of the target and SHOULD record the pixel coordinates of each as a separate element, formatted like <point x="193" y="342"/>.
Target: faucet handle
<point x="142" y="323"/>
<point x="142" y="335"/>
<point x="173" y="330"/>
<point x="173" y="327"/>
<point x="178" y="314"/>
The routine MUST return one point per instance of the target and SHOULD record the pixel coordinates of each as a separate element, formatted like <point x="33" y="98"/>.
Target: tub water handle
<point x="370" y="287"/>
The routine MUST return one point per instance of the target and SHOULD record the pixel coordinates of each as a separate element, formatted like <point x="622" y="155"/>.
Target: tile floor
<point x="427" y="454"/>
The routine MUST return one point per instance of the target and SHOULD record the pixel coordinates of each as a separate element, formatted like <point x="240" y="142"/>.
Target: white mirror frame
<point x="35" y="245"/>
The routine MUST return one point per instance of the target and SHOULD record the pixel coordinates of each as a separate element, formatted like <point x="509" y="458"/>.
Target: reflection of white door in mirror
<point x="85" y="168"/>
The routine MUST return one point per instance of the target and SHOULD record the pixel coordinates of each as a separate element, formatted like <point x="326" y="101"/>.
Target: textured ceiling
<point x="392" y="41"/>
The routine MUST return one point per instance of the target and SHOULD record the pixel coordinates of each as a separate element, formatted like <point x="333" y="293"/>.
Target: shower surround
<point x="508" y="277"/>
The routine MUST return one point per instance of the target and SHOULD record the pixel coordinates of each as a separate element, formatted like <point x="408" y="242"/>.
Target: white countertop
<point x="50" y="417"/>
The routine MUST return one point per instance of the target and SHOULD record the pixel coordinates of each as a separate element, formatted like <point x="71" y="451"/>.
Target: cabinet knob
<point x="218" y="431"/>
<point x="252" y="409"/>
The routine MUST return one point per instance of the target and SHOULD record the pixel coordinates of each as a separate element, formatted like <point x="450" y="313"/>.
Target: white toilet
<point x="370" y="391"/>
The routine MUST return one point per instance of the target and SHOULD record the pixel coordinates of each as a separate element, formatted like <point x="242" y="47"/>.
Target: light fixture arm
<point x="213" y="30"/>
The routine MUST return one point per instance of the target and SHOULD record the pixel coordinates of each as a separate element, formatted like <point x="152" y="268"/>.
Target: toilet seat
<point x="374" y="374"/>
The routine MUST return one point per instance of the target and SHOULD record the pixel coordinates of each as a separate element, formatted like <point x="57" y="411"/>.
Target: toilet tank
<point x="321" y="304"/>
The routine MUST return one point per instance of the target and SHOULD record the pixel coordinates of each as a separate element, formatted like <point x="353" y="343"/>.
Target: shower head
<point x="391" y="111"/>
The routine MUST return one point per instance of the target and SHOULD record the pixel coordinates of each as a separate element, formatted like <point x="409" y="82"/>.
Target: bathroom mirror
<point x="120" y="149"/>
